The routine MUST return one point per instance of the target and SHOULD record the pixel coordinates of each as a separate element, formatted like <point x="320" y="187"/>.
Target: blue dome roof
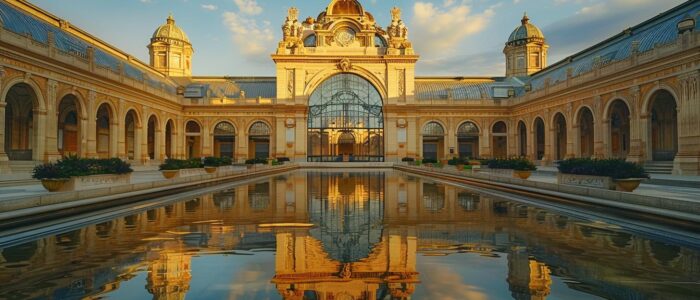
<point x="525" y="31"/>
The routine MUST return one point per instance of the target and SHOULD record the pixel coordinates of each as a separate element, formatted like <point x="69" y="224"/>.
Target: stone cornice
<point x="331" y="59"/>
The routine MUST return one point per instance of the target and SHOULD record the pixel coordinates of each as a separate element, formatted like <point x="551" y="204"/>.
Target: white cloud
<point x="441" y="30"/>
<point x="252" y="39"/>
<point x="249" y="7"/>
<point x="210" y="7"/>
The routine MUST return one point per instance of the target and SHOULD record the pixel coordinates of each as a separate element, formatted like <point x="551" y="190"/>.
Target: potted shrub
<point x="523" y="167"/>
<point x="211" y="164"/>
<point x="601" y="173"/>
<point x="458" y="162"/>
<point x="283" y="160"/>
<point x="170" y="167"/>
<point x="73" y="173"/>
<point x="430" y="162"/>
<point x="408" y="160"/>
<point x="174" y="167"/>
<point x="52" y="177"/>
<point x="517" y="167"/>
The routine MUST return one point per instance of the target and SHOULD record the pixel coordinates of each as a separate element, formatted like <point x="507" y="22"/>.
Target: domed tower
<point x="526" y="50"/>
<point x="170" y="50"/>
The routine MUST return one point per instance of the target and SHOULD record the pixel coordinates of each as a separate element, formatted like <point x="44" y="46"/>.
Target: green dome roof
<point x="525" y="31"/>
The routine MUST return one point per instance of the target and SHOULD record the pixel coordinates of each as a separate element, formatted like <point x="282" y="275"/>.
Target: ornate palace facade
<point x="346" y="90"/>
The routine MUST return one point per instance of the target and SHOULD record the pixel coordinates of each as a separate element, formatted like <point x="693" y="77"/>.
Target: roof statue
<point x="292" y="31"/>
<point x="398" y="32"/>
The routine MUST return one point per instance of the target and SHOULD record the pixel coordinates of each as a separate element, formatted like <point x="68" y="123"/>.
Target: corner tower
<point x="526" y="50"/>
<point x="170" y="50"/>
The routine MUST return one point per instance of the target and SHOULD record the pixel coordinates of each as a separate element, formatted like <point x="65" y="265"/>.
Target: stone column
<point x="140" y="151"/>
<point x="121" y="131"/>
<point x="52" y="108"/>
<point x="549" y="139"/>
<point x="485" y="141"/>
<point x="4" y="160"/>
<point x="207" y="138"/>
<point x="637" y="140"/>
<point x="39" y="138"/>
<point x="91" y="126"/>
<point x="687" y="161"/>
<point x="570" y="134"/>
<point x="450" y="139"/>
<point x="599" y="145"/>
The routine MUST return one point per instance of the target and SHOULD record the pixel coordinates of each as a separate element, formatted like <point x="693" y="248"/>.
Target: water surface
<point x="369" y="235"/>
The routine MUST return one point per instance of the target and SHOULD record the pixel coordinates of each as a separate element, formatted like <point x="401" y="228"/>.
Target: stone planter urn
<point x="627" y="185"/>
<point x="170" y="174"/>
<point x="522" y="174"/>
<point x="210" y="170"/>
<point x="54" y="185"/>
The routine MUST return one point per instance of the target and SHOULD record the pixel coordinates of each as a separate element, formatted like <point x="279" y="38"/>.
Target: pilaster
<point x="637" y="143"/>
<point x="52" y="107"/>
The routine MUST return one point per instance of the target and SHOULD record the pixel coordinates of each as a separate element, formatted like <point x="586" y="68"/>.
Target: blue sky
<point x="453" y="37"/>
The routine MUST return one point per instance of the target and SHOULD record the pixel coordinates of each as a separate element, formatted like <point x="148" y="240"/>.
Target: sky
<point x="453" y="37"/>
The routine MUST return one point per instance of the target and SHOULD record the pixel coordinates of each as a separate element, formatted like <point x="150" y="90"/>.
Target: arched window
<point x="379" y="41"/>
<point x="310" y="41"/>
<point x="500" y="140"/>
<point x="433" y="141"/>
<point x="259" y="140"/>
<point x="193" y="139"/>
<point x="468" y="140"/>
<point x="224" y="139"/>
<point x="433" y="129"/>
<point x="346" y="104"/>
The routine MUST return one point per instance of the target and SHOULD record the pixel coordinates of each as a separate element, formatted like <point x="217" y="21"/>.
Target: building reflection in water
<point x="370" y="233"/>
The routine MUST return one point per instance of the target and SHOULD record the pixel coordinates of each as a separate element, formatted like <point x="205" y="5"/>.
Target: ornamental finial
<point x="395" y="14"/>
<point x="293" y="14"/>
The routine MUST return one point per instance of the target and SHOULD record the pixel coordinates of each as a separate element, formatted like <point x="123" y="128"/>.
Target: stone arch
<point x="584" y="121"/>
<point x="193" y="138"/>
<point x="645" y="109"/>
<point x="468" y="140"/>
<point x="21" y="130"/>
<point x="39" y="103"/>
<point x="69" y="126"/>
<point x="559" y="124"/>
<point x="662" y="109"/>
<point x="259" y="144"/>
<point x="153" y="126"/>
<point x="224" y="138"/>
<point x="366" y="74"/>
<point x="82" y="103"/>
<point x="433" y="139"/>
<point x="105" y="131"/>
<point x="132" y="123"/>
<point x="539" y="129"/>
<point x="522" y="137"/>
<point x="618" y="116"/>
<point x="499" y="139"/>
<point x="169" y="130"/>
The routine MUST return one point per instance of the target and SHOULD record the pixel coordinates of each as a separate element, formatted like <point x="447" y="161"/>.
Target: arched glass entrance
<point x="346" y="122"/>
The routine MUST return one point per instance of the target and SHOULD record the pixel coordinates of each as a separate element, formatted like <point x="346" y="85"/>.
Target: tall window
<point x="346" y="122"/>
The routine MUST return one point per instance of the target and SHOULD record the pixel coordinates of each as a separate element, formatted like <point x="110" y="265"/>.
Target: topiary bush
<point x="615" y="168"/>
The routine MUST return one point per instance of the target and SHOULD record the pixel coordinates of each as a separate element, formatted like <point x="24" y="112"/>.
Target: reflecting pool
<point x="347" y="235"/>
